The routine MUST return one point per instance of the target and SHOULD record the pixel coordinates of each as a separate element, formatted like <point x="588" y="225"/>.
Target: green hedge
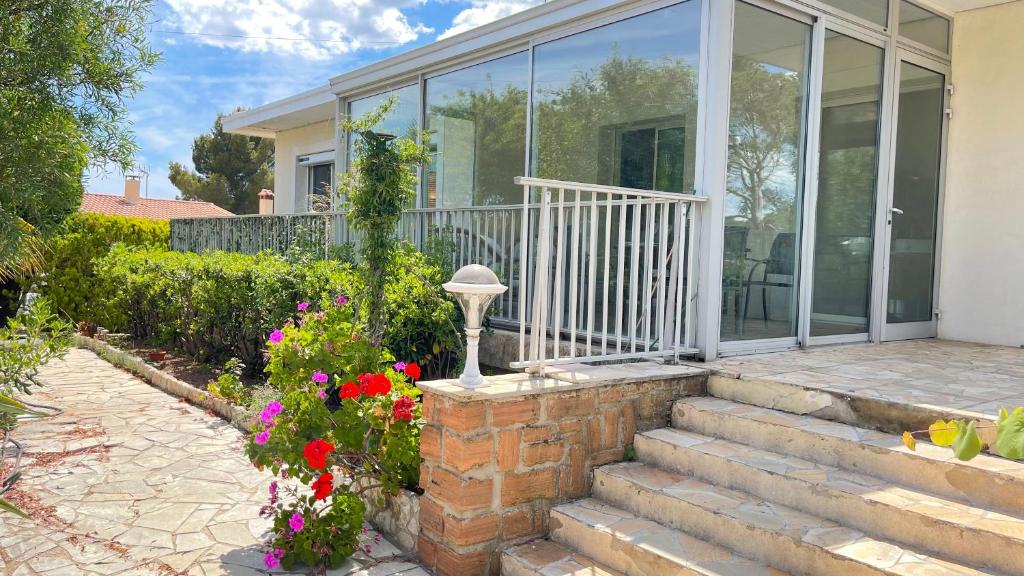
<point x="220" y="305"/>
<point x="70" y="281"/>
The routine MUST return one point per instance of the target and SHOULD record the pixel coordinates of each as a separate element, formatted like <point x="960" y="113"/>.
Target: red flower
<point x="349" y="390"/>
<point x="403" y="408"/>
<point x="377" y="385"/>
<point x="316" y="452"/>
<point x="323" y="486"/>
<point x="412" y="370"/>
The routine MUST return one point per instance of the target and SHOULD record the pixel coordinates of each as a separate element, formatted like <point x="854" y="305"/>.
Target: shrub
<point x="343" y="410"/>
<point x="70" y="280"/>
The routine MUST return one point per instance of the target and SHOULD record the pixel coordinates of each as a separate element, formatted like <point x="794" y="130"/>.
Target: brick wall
<point x="493" y="465"/>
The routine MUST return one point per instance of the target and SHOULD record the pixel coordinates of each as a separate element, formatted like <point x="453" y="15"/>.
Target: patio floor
<point x="941" y="374"/>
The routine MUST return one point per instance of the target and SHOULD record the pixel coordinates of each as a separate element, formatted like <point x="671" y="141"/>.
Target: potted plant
<point x="157" y="355"/>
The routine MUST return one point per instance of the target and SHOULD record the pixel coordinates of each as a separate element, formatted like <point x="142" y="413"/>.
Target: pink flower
<point x="340" y="300"/>
<point x="321" y="394"/>
<point x="276" y="337"/>
<point x="399" y="366"/>
<point x="302" y="306"/>
<point x="271" y="561"/>
<point x="262" y="437"/>
<point x="319" y="377"/>
<point x="272" y="409"/>
<point x="296" y="523"/>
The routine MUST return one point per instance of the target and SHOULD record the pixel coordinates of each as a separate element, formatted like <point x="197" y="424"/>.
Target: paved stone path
<point x="129" y="480"/>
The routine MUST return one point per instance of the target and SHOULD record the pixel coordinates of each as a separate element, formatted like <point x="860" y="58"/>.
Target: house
<point x="859" y="160"/>
<point x="132" y="204"/>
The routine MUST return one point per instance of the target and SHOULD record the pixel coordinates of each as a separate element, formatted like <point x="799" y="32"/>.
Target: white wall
<point x="289" y="145"/>
<point x="981" y="294"/>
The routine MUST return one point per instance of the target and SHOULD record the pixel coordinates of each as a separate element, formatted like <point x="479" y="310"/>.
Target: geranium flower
<point x="262" y="437"/>
<point x="377" y="385"/>
<point x="319" y="377"/>
<point x="321" y="393"/>
<point x="316" y="452"/>
<point x="403" y="408"/>
<point x="276" y="337"/>
<point x="273" y="492"/>
<point x="271" y="561"/>
<point x="301" y="307"/>
<point x="322" y="486"/>
<point x="340" y="300"/>
<point x="296" y="523"/>
<point x="272" y="409"/>
<point x="399" y="366"/>
<point x="349" y="390"/>
<point x="412" y="370"/>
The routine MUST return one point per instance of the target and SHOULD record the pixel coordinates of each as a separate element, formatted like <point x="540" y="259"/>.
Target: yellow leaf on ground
<point x="942" y="433"/>
<point x="909" y="441"/>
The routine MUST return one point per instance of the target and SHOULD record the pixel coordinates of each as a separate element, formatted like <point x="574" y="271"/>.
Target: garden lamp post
<point x="475" y="287"/>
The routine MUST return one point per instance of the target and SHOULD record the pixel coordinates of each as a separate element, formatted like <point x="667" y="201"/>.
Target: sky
<point x="219" y="55"/>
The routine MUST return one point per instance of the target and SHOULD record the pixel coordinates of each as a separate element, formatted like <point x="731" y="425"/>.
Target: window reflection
<point x="618" y="104"/>
<point x="404" y="119"/>
<point x="924" y="26"/>
<point x="764" y="187"/>
<point x="476" y="118"/>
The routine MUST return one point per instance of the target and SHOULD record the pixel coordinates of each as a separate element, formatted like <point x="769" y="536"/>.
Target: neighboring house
<point x="131" y="204"/>
<point x="860" y="160"/>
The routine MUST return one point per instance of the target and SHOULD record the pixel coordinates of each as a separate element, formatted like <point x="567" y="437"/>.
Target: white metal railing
<point x="608" y="273"/>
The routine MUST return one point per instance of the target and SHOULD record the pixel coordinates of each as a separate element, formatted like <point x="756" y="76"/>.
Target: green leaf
<point x="967" y="444"/>
<point x="1010" y="434"/>
<point x="8" y="507"/>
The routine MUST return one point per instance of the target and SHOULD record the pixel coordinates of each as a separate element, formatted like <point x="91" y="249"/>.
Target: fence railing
<point x="608" y="273"/>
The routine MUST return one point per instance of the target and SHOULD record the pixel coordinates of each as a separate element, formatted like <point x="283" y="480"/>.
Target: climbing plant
<point x="963" y="437"/>
<point x="381" y="186"/>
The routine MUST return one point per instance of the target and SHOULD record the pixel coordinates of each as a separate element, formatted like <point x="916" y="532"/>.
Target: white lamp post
<point x="475" y="287"/>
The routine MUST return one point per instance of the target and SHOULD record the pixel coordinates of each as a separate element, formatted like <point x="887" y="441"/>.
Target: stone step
<point x="762" y="530"/>
<point x="987" y="481"/>
<point x="875" y="506"/>
<point x="547" y="558"/>
<point x="640" y="547"/>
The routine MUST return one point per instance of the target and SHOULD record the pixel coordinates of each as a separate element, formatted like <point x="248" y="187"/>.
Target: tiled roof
<point x="152" y="208"/>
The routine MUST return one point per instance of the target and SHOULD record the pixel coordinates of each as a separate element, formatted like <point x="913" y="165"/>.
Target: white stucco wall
<point x="981" y="296"/>
<point x="288" y="146"/>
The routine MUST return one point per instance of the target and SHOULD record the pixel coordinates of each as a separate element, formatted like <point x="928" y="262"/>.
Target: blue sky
<point x="218" y="56"/>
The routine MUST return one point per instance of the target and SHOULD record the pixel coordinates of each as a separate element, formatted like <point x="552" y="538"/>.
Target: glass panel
<point x="404" y="119"/>
<point x="765" y="184"/>
<point x="476" y="118"/>
<point x="320" y="178"/>
<point x="848" y="161"/>
<point x="618" y="104"/>
<point x="916" y="194"/>
<point x="876" y="11"/>
<point x="923" y="26"/>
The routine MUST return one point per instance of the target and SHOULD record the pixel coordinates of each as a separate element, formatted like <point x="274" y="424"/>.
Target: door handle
<point x="896" y="211"/>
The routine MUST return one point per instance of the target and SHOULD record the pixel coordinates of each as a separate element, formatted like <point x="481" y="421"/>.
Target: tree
<point x="66" y="69"/>
<point x="231" y="169"/>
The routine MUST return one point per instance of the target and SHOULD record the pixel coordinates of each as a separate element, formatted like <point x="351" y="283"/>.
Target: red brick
<point x="461" y="417"/>
<point x="538" y="433"/>
<point x="571" y="431"/>
<point x="460" y="493"/>
<point x="452" y="563"/>
<point x="469" y="531"/>
<point x="518" y="412"/>
<point x="573" y="404"/>
<point x="611" y="429"/>
<point x="573" y="478"/>
<point x="521" y="524"/>
<point x="464" y="453"/>
<point x="628" y="423"/>
<point x="534" y="454"/>
<point x="429" y="403"/>
<point x="508" y="449"/>
<point x="431" y="517"/>
<point x="594" y="435"/>
<point x="430" y="443"/>
<point x="426" y="548"/>
<point x="607" y="456"/>
<point x="527" y="486"/>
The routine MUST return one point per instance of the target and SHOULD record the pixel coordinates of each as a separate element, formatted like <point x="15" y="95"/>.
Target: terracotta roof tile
<point x="152" y="208"/>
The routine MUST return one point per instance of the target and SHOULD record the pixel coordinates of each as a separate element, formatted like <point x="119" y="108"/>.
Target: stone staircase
<point x="736" y="488"/>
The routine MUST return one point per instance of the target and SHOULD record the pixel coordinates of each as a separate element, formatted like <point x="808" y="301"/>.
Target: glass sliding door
<point x="915" y="196"/>
<point x="847" y="176"/>
<point x="764" y="191"/>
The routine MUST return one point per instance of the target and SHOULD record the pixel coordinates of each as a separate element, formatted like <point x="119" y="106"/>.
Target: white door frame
<point x="908" y="330"/>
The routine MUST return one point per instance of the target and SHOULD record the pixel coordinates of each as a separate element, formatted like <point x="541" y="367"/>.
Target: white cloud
<point x="483" y="12"/>
<point x="297" y="27"/>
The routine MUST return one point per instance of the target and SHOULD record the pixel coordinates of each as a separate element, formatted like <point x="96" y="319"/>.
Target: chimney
<point x="131" y="188"/>
<point x="266" y="201"/>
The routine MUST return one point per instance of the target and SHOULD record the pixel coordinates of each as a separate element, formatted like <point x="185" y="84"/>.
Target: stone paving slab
<point x="130" y="480"/>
